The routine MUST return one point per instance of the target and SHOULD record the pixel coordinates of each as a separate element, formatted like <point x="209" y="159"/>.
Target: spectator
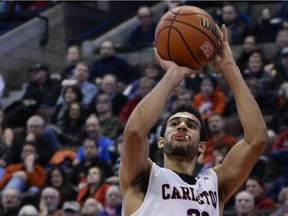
<point x="10" y="202"/>
<point x="236" y="22"/>
<point x="2" y="87"/>
<point x="71" y="208"/>
<point x="91" y="207"/>
<point x="111" y="126"/>
<point x="249" y="46"/>
<point x="282" y="209"/>
<point x="73" y="56"/>
<point x="49" y="202"/>
<point x="80" y="78"/>
<point x="265" y="29"/>
<point x="210" y="99"/>
<point x="113" y="202"/>
<point x="217" y="135"/>
<point x="244" y="204"/>
<point x="109" y="86"/>
<point x="41" y="93"/>
<point x="144" y="32"/>
<point x="58" y="179"/>
<point x="256" y="187"/>
<point x="146" y="84"/>
<point x="80" y="170"/>
<point x="70" y="94"/>
<point x="7" y="134"/>
<point x="28" y="210"/>
<point x="22" y="176"/>
<point x="110" y="63"/>
<point x="281" y="42"/>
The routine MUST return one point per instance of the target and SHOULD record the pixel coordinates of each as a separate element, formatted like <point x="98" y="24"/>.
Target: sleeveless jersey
<point x="169" y="195"/>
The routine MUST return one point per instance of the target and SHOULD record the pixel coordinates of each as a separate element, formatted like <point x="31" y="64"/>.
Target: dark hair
<point x="91" y="139"/>
<point x="49" y="175"/>
<point x="76" y="90"/>
<point x="211" y="78"/>
<point x="257" y="179"/>
<point x="189" y="109"/>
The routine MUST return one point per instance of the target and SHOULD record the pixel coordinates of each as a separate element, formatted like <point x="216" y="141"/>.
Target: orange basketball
<point x="188" y="36"/>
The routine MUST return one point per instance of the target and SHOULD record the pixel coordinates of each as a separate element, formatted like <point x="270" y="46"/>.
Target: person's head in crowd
<point x="72" y="94"/>
<point x="56" y="177"/>
<point x="71" y="208"/>
<point x="90" y="147"/>
<point x="75" y="113"/>
<point x="208" y="85"/>
<point x="39" y="73"/>
<point x="95" y="176"/>
<point x="244" y="203"/>
<point x="283" y="198"/>
<point x="184" y="97"/>
<point x="265" y="14"/>
<point x="73" y="54"/>
<point x="107" y="49"/>
<point x="145" y="17"/>
<point x="50" y="199"/>
<point x="28" y="210"/>
<point x="103" y="104"/>
<point x="254" y="185"/>
<point x="216" y="123"/>
<point x="284" y="57"/>
<point x="249" y="44"/>
<point x="35" y="126"/>
<point x="153" y="70"/>
<point x="113" y="197"/>
<point x="282" y="38"/>
<point x="81" y="72"/>
<point x="91" y="207"/>
<point x="229" y="13"/>
<point x="28" y="148"/>
<point x="92" y="127"/>
<point x="109" y="84"/>
<point x="146" y="84"/>
<point x="10" y="199"/>
<point x="256" y="62"/>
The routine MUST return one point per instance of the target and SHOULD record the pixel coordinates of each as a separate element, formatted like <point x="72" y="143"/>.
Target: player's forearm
<point x="249" y="113"/>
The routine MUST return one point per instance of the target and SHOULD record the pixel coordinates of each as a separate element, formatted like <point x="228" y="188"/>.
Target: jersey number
<point x="196" y="212"/>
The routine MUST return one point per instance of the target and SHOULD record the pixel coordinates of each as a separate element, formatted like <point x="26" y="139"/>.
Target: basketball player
<point x="152" y="190"/>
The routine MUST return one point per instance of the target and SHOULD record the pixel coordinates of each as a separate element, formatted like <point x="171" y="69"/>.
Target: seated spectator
<point x="94" y="187"/>
<point x="28" y="210"/>
<point x="249" y="46"/>
<point x="71" y="208"/>
<point x="244" y="204"/>
<point x="113" y="202"/>
<point x="237" y="22"/>
<point x="25" y="175"/>
<point x="143" y="34"/>
<point x="71" y="124"/>
<point x="265" y="29"/>
<point x="73" y="56"/>
<point x="91" y="207"/>
<point x="70" y="94"/>
<point x="58" y="179"/>
<point x="281" y="42"/>
<point x="111" y="126"/>
<point x="45" y="142"/>
<point x="80" y="170"/>
<point x="109" y="63"/>
<point x="256" y="187"/>
<point x="7" y="134"/>
<point x="279" y="119"/>
<point x="146" y="84"/>
<point x="282" y="209"/>
<point x="210" y="99"/>
<point x="49" y="202"/>
<point x="10" y="202"/>
<point x="217" y="135"/>
<point x="80" y="78"/>
<point x="41" y="93"/>
<point x="109" y="86"/>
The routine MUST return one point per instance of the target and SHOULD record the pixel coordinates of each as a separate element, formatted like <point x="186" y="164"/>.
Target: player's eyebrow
<point x="186" y="119"/>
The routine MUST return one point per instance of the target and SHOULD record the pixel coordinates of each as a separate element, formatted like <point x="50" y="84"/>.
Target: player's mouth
<point x="180" y="136"/>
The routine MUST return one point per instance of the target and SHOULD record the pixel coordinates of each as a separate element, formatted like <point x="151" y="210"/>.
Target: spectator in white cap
<point x="28" y="210"/>
<point x="71" y="208"/>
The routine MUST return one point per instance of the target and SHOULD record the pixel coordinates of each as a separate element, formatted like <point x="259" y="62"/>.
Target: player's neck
<point x="180" y="165"/>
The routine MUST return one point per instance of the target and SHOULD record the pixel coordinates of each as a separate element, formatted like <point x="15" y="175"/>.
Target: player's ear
<point x="160" y="142"/>
<point x="202" y="146"/>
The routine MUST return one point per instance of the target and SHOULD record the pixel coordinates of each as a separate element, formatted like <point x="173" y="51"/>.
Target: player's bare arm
<point x="242" y="157"/>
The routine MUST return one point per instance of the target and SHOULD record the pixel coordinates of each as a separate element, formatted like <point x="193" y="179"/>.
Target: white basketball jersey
<point x="169" y="195"/>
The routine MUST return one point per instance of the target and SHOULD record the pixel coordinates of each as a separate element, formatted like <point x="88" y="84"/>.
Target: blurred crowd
<point x="60" y="143"/>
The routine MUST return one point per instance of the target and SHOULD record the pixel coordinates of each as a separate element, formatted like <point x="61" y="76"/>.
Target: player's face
<point x="182" y="135"/>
